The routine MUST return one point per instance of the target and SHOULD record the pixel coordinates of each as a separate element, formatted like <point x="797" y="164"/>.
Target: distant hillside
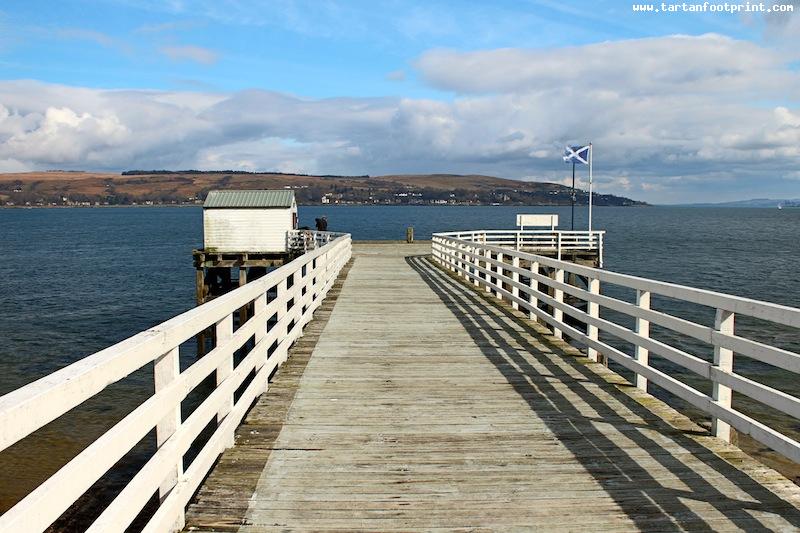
<point x="755" y="202"/>
<point x="191" y="186"/>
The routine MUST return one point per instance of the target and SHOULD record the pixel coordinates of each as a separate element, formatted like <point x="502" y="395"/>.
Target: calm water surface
<point x="73" y="281"/>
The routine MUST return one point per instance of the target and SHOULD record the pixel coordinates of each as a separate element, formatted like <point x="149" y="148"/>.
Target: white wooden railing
<point x="303" y="240"/>
<point x="300" y="285"/>
<point x="498" y="270"/>
<point x="553" y="242"/>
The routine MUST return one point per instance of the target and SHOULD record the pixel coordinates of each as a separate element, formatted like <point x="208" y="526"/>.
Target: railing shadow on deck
<point x="640" y="495"/>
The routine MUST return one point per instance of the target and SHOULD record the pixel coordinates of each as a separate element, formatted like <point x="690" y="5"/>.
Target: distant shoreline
<point x="181" y="188"/>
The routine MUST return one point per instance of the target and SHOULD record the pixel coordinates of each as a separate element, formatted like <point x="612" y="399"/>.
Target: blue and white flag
<point x="577" y="154"/>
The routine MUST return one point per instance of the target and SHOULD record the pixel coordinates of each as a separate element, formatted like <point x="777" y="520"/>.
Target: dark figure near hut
<point x="322" y="223"/>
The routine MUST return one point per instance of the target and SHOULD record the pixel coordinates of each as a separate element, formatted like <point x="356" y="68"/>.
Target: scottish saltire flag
<point x="577" y="154"/>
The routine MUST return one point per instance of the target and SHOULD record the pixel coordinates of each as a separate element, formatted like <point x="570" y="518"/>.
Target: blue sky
<point x="312" y="49"/>
<point x="385" y="87"/>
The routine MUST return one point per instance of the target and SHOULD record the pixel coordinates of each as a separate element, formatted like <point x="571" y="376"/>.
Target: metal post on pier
<point x="573" y="195"/>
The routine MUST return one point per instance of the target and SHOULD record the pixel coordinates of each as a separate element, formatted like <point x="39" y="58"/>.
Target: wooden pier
<point x="430" y="392"/>
<point x="489" y="423"/>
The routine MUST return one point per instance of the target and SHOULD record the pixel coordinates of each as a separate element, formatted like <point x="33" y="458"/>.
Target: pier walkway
<point x="456" y="385"/>
<point x="415" y="402"/>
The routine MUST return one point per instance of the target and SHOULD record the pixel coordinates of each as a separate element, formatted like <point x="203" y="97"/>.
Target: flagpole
<point x="590" y="186"/>
<point x="573" y="195"/>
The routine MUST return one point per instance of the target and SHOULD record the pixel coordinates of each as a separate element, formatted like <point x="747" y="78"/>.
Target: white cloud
<point x="86" y="35"/>
<point x="663" y="65"/>
<point x="197" y="54"/>
<point x="62" y="135"/>
<point x="667" y="123"/>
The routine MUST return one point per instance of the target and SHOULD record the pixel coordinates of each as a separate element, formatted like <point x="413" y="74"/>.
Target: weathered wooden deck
<point x="414" y="402"/>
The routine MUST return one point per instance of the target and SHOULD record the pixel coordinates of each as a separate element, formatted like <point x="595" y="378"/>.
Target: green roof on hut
<point x="249" y="199"/>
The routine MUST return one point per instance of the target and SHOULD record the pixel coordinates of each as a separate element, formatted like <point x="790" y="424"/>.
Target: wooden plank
<point x="239" y="468"/>
<point x="427" y="404"/>
<point x="778" y="442"/>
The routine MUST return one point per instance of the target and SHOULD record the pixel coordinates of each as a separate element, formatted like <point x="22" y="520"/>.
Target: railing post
<point x="593" y="309"/>
<point x="518" y="239"/>
<point x="451" y="260"/>
<point x="534" y="301"/>
<point x="224" y="329"/>
<point x="487" y="254"/>
<point x="643" y="329"/>
<point x="259" y="306"/>
<point x="723" y="360"/>
<point x="297" y="308"/>
<point x="167" y="369"/>
<point x="600" y="240"/>
<point x="515" y="279"/>
<point x="558" y="295"/>
<point x="243" y="282"/>
<point x="558" y="246"/>
<point x="500" y="271"/>
<point x="476" y="263"/>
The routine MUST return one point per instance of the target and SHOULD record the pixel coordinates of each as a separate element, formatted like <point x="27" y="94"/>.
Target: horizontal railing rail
<point x="303" y="240"/>
<point x="283" y="302"/>
<point x="556" y="242"/>
<point x="538" y="285"/>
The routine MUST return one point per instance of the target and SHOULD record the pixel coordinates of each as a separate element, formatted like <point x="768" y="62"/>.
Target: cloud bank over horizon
<point x="671" y="118"/>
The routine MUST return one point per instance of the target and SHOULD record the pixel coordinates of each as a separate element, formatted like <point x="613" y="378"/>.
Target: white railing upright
<point x="299" y="287"/>
<point x="539" y="290"/>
